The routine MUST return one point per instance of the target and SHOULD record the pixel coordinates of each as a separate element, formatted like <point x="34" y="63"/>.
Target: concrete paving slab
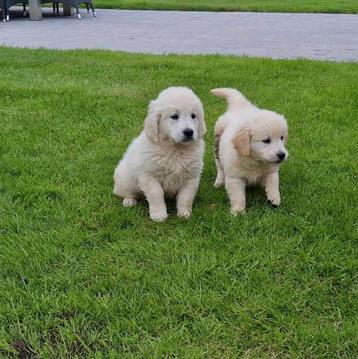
<point x="313" y="36"/>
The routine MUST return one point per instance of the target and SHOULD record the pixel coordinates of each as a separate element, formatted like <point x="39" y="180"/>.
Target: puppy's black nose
<point x="188" y="133"/>
<point x="281" y="156"/>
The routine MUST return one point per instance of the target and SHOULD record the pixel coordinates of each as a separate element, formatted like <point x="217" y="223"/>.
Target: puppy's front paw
<point x="238" y="209"/>
<point x="184" y="212"/>
<point x="129" y="202"/>
<point x="158" y="216"/>
<point x="274" y="199"/>
<point x="218" y="182"/>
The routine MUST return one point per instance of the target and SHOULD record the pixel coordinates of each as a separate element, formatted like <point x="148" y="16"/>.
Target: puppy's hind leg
<point x="121" y="190"/>
<point x="220" y="176"/>
<point x="129" y="202"/>
<point x="117" y="189"/>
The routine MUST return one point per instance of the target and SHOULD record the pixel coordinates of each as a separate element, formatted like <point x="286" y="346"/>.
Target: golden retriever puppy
<point x="166" y="159"/>
<point x="249" y="148"/>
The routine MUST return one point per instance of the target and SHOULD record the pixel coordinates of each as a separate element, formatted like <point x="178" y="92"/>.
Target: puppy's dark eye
<point x="281" y="138"/>
<point x="266" y="140"/>
<point x="193" y="116"/>
<point x="174" y="117"/>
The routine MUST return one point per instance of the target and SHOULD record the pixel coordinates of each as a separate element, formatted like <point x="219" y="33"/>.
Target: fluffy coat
<point x="166" y="159"/>
<point x="249" y="148"/>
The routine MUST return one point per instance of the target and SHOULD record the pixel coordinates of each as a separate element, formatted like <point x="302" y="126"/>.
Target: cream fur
<point x="242" y="156"/>
<point x="160" y="162"/>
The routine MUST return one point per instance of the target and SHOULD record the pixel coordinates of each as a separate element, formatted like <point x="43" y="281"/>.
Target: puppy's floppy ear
<point x="202" y="125"/>
<point x="242" y="142"/>
<point x="151" y="123"/>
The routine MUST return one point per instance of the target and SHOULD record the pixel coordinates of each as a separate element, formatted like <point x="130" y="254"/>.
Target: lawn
<point x="328" y="6"/>
<point x="81" y="276"/>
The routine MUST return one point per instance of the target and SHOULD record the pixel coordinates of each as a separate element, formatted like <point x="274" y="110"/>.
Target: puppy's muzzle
<point x="281" y="156"/>
<point x="188" y="134"/>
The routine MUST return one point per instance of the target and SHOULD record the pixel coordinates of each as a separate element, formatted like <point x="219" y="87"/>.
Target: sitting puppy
<point x="249" y="147"/>
<point x="167" y="157"/>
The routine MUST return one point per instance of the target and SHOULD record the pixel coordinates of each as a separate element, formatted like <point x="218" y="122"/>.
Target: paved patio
<point x="314" y="36"/>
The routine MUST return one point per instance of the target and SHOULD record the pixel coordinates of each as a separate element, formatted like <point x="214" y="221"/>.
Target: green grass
<point x="81" y="276"/>
<point x="326" y="6"/>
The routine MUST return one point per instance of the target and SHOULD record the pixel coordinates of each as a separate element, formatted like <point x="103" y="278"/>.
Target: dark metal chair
<point x="9" y="3"/>
<point x="3" y="9"/>
<point x="77" y="3"/>
<point x="54" y="3"/>
<point x="6" y="4"/>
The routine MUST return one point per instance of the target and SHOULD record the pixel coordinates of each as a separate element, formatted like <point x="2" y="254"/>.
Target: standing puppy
<point x="167" y="157"/>
<point x="249" y="148"/>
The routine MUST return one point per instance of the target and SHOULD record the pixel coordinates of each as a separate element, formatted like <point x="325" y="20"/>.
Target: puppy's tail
<point x="234" y="98"/>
